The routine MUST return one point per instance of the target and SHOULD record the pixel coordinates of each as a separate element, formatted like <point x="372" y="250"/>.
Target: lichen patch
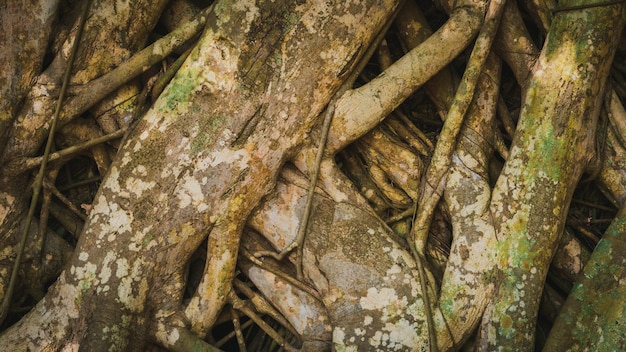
<point x="167" y="338"/>
<point x="122" y="268"/>
<point x="106" y="272"/>
<point x="378" y="299"/>
<point x="85" y="275"/>
<point x="238" y="158"/>
<point x="137" y="186"/>
<point x="133" y="289"/>
<point x="190" y="193"/>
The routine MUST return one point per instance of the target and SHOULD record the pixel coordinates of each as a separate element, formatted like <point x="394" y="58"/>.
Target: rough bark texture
<point x="27" y="26"/>
<point x="593" y="315"/>
<point x="207" y="162"/>
<point x="31" y="123"/>
<point x="373" y="299"/>
<point x="467" y="282"/>
<point x="198" y="163"/>
<point x="553" y="143"/>
<point x="358" y="112"/>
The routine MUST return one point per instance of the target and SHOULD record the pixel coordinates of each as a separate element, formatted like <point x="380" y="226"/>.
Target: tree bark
<point x="107" y="43"/>
<point x="553" y="142"/>
<point x="214" y="157"/>
<point x="195" y="166"/>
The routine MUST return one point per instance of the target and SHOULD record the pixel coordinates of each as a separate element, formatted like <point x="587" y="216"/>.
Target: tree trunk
<point x="553" y="143"/>
<point x="456" y="238"/>
<point x="198" y="163"/>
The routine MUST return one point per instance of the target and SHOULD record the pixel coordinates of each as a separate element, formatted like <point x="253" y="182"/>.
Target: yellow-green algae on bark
<point x="594" y="314"/>
<point x="551" y="147"/>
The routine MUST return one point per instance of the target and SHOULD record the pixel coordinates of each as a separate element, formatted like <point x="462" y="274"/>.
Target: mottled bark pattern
<point x="552" y="145"/>
<point x="198" y="163"/>
<point x="29" y="125"/>
<point x="368" y="283"/>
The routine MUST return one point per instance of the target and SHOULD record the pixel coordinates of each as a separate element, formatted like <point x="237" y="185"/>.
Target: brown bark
<point x="367" y="281"/>
<point x="25" y="27"/>
<point x="532" y="195"/>
<point x="238" y="108"/>
<point x="208" y="159"/>
<point x="106" y="43"/>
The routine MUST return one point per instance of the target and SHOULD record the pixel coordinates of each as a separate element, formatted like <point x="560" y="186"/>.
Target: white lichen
<point x="238" y="158"/>
<point x="190" y="193"/>
<point x="378" y="299"/>
<point x="106" y="271"/>
<point x="367" y="320"/>
<point x="122" y="268"/>
<point x="167" y="338"/>
<point x="138" y="186"/>
<point x="85" y="275"/>
<point x="133" y="289"/>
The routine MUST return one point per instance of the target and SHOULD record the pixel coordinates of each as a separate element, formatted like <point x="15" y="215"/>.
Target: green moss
<point x="179" y="90"/>
<point x="447" y="307"/>
<point x="148" y="238"/>
<point x="550" y="147"/>
<point x="617" y="227"/>
<point x="208" y="130"/>
<point x="84" y="285"/>
<point x="292" y="18"/>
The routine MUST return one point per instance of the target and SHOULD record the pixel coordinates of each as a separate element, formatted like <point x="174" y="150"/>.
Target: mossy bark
<point x="195" y="166"/>
<point x="592" y="317"/>
<point x="553" y="143"/>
